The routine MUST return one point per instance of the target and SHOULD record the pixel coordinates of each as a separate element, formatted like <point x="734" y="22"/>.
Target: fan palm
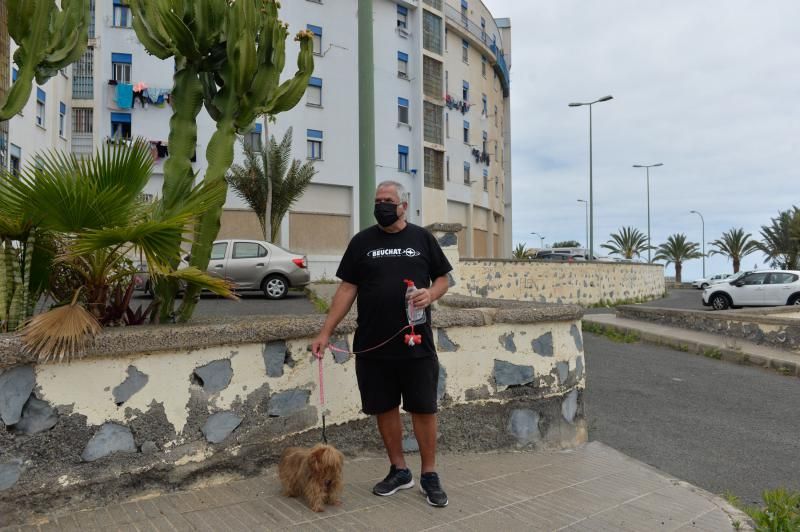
<point x="781" y="240"/>
<point x="270" y="182"/>
<point x="677" y="250"/>
<point x="520" y="252"/>
<point x="734" y="244"/>
<point x="627" y="242"/>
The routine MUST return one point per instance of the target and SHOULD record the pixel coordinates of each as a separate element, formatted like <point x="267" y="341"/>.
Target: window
<point x="446" y="81"/>
<point x="433" y="168"/>
<point x="484" y="146"/>
<point x="120" y="126"/>
<point x="402" y="110"/>
<point x="218" y="251"/>
<point x="495" y="150"/>
<point x="485" y="108"/>
<point x="122" y="15"/>
<point x="466" y="174"/>
<point x="83" y="76"/>
<point x="40" y="103"/>
<point x="483" y="66"/>
<point x="435" y="4"/>
<point x="754" y="279"/>
<point x="464" y="51"/>
<point x="432" y="118"/>
<point x="447" y="166"/>
<point x="248" y="250"/>
<point x="782" y="278"/>
<point x="62" y="112"/>
<point x="466" y="132"/>
<point x="431" y="32"/>
<point x="465" y="91"/>
<point x="402" y="65"/>
<point x="317" y="31"/>
<point x="495" y="116"/>
<point x="14" y="158"/>
<point x="432" y="77"/>
<point x="82" y="120"/>
<point x="314" y="92"/>
<point x="252" y="139"/>
<point x="486" y="180"/>
<point x="464" y="17"/>
<point x="314" y="144"/>
<point x="402" y="17"/>
<point x="121" y="67"/>
<point x="483" y="29"/>
<point x="447" y="124"/>
<point x="402" y="158"/>
<point x="496" y="188"/>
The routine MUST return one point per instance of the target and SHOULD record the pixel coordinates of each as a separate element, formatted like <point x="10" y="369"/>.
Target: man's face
<point x="389" y="195"/>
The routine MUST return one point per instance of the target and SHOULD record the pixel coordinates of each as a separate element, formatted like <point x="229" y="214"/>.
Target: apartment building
<point x="441" y="108"/>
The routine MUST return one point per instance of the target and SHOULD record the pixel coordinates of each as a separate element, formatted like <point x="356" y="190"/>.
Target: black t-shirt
<point x="378" y="262"/>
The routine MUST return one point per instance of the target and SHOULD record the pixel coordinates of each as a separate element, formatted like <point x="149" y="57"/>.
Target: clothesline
<point x="125" y="95"/>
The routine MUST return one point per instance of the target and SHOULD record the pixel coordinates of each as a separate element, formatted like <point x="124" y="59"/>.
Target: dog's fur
<point x="315" y="474"/>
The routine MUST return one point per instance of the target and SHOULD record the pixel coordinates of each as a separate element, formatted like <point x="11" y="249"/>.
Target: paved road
<point x="714" y="424"/>
<point x="680" y="298"/>
<point x="249" y="304"/>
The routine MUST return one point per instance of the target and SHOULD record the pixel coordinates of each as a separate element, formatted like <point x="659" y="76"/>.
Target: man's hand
<point x="320" y="344"/>
<point x="421" y="298"/>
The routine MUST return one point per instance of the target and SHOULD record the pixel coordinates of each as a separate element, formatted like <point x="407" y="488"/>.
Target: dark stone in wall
<point x="220" y="425"/>
<point x="507" y="341"/>
<point x="448" y="239"/>
<point x="111" y="438"/>
<point x="508" y="374"/>
<point x="569" y="406"/>
<point x="9" y="473"/>
<point x="37" y="416"/>
<point x="285" y="403"/>
<point x="543" y="345"/>
<point x="16" y="385"/>
<point x="274" y="358"/>
<point x="338" y="356"/>
<point x="563" y="372"/>
<point x="523" y="424"/>
<point x="445" y="344"/>
<point x="410" y="444"/>
<point x="576" y="335"/>
<point x="215" y="376"/>
<point x="441" y="385"/>
<point x="134" y="382"/>
<point x="579" y="368"/>
<point x="451" y="282"/>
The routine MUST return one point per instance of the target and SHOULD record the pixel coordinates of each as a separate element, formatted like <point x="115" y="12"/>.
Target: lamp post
<point x="703" y="234"/>
<point x="541" y="240"/>
<point x="591" y="191"/>
<point x="647" y="168"/>
<point x="586" y="204"/>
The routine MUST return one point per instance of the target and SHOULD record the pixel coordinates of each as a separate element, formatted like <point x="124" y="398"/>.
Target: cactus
<point x="48" y="39"/>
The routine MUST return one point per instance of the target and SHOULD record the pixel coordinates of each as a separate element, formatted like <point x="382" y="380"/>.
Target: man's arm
<point x="425" y="296"/>
<point x="340" y="306"/>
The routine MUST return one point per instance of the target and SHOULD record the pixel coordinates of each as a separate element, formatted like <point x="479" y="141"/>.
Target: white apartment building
<point x="431" y="59"/>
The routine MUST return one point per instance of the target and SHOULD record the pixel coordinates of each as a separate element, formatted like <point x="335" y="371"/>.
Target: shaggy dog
<point x="315" y="474"/>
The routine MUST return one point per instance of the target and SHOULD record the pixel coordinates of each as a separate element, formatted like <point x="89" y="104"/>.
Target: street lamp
<point x="541" y="240"/>
<point x="591" y="191"/>
<point x="586" y="203"/>
<point x="703" y="227"/>
<point x="647" y="168"/>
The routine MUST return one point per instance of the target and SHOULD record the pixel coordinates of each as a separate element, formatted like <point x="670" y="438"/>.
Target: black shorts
<point x="382" y="382"/>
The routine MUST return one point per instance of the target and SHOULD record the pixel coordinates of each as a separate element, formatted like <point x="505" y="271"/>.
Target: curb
<point x="709" y="350"/>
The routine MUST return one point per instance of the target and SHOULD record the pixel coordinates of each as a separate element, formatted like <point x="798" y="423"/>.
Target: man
<point x="373" y="268"/>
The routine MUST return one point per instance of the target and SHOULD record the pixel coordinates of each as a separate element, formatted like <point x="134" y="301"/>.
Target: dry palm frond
<point x="63" y="332"/>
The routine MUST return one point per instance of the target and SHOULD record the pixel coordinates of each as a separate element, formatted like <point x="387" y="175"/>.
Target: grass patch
<point x="608" y="303"/>
<point x="320" y="304"/>
<point x="712" y="352"/>
<point x="780" y="511"/>
<point x="611" y="333"/>
<point x="682" y="347"/>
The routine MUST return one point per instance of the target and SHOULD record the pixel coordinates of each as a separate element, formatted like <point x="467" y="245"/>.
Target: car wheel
<point x="275" y="287"/>
<point x="703" y="286"/>
<point x="795" y="300"/>
<point x="720" y="302"/>
<point x="148" y="289"/>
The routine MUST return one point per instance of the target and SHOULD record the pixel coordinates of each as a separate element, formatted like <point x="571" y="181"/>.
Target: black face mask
<point x="386" y="214"/>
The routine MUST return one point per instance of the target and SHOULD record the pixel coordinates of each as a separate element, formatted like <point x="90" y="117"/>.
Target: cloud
<point x="707" y="88"/>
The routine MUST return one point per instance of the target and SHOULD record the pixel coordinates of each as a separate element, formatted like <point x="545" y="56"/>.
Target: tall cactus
<point x="48" y="39"/>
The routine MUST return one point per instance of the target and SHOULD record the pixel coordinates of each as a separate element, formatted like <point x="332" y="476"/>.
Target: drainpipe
<point x="366" y="116"/>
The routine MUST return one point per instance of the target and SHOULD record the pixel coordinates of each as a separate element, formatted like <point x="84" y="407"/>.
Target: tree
<point x="677" y="250"/>
<point x="566" y="244"/>
<point x="627" y="242"/>
<point x="269" y="183"/>
<point x="734" y="244"/>
<point x="781" y="240"/>
<point x="520" y="252"/>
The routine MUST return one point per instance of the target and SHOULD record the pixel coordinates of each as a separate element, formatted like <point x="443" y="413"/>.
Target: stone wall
<point x="163" y="407"/>
<point x="762" y="326"/>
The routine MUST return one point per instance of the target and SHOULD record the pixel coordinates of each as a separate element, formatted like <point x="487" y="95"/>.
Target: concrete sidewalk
<point x="592" y="488"/>
<point x="709" y="344"/>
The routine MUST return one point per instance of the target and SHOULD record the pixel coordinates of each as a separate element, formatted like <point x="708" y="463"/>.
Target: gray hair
<point x="399" y="188"/>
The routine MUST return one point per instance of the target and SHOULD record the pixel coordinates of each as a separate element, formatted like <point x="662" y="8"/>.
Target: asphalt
<point x="678" y="298"/>
<point x="720" y="426"/>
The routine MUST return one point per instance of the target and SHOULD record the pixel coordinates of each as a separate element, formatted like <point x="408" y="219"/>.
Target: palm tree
<point x="677" y="250"/>
<point x="520" y="252"/>
<point x="269" y="184"/>
<point x="628" y="242"/>
<point x="734" y="244"/>
<point x="781" y="240"/>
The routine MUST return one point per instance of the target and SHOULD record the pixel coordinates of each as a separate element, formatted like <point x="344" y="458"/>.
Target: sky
<point x="710" y="88"/>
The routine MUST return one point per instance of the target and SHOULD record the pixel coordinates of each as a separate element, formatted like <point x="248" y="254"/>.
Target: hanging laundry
<point x="139" y="95"/>
<point x="140" y="86"/>
<point x="155" y="95"/>
<point x="125" y="95"/>
<point x="163" y="151"/>
<point x="153" y="150"/>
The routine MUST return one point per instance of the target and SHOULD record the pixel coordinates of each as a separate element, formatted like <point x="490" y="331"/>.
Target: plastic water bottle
<point x="415" y="315"/>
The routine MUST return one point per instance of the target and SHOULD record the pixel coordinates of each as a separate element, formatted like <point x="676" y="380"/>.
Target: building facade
<point x="441" y="89"/>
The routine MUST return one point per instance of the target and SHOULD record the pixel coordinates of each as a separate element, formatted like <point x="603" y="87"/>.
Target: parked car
<point x="256" y="265"/>
<point x="756" y="288"/>
<point x="559" y="257"/>
<point x="702" y="283"/>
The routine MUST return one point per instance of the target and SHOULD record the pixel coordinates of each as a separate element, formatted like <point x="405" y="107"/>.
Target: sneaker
<point x="432" y="489"/>
<point x="397" y="479"/>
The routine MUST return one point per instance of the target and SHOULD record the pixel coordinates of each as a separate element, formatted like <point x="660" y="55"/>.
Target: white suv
<point x="755" y="289"/>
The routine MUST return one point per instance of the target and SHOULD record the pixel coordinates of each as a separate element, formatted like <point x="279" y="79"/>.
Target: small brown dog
<point x="314" y="473"/>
